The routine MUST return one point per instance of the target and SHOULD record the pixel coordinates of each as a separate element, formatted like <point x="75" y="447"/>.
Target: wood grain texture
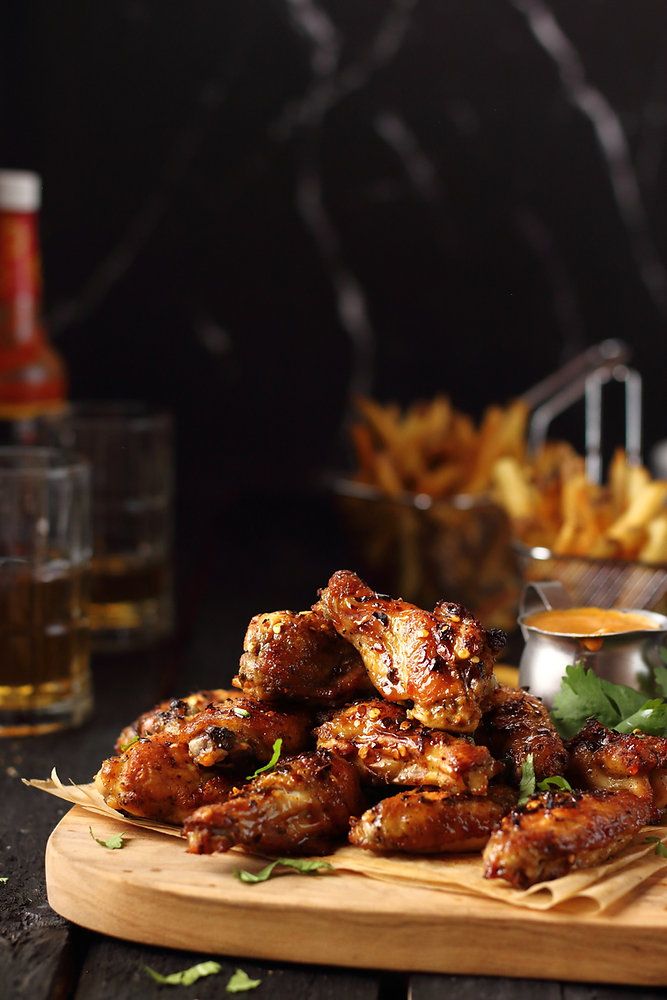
<point x="154" y="893"/>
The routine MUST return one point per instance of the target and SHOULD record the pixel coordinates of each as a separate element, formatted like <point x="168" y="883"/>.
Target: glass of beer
<point x="45" y="552"/>
<point x="129" y="447"/>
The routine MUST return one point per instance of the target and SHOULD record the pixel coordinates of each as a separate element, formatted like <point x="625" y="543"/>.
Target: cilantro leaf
<point x="660" y="848"/>
<point x="130" y="743"/>
<point x="583" y="694"/>
<point x="555" y="781"/>
<point x="275" y="757"/>
<point x="240" y="982"/>
<point x="114" y="843"/>
<point x="650" y="718"/>
<point x="187" y="976"/>
<point x="660" y="673"/>
<point x="4" y="878"/>
<point x="241" y="713"/>
<point x="298" y="864"/>
<point x="527" y="784"/>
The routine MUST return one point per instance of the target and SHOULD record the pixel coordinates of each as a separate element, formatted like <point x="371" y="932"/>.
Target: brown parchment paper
<point x="602" y="886"/>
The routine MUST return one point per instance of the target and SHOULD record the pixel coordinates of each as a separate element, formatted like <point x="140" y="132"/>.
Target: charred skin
<point x="430" y="821"/>
<point x="167" y="716"/>
<point x="387" y="747"/>
<point x="239" y="732"/>
<point x="560" y="832"/>
<point x="516" y="724"/>
<point x="157" y="779"/>
<point x="301" y="807"/>
<point x="441" y="662"/>
<point x="298" y="656"/>
<point x="636" y="762"/>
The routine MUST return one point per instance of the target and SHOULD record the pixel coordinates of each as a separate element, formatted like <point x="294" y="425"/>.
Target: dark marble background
<point x="255" y="207"/>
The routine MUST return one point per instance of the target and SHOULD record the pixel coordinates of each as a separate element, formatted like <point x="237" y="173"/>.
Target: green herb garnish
<point x="4" y="878"/>
<point x="241" y="713"/>
<point x="187" y="976"/>
<point x="527" y="784"/>
<point x="275" y="757"/>
<point x="113" y="843"/>
<point x="299" y="865"/>
<point x="660" y="848"/>
<point x="240" y="982"/>
<point x="555" y="781"/>
<point x="130" y="743"/>
<point x="583" y="694"/>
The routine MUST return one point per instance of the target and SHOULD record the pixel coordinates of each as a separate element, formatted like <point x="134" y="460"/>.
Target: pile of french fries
<point x="433" y="449"/>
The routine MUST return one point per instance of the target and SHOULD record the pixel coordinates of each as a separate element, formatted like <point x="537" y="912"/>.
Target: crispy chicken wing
<point x="298" y="656"/>
<point x="389" y="748"/>
<point x="602" y="758"/>
<point x="559" y="832"/>
<point x="239" y="731"/>
<point x="441" y="662"/>
<point x="516" y="724"/>
<point x="302" y="807"/>
<point x="431" y="821"/>
<point x="157" y="779"/>
<point x="167" y="715"/>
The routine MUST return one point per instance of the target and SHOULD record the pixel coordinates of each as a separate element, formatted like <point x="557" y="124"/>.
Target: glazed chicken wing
<point x="290" y="656"/>
<point x="301" y="807"/>
<point x="441" y="662"/>
<point x="431" y="821"/>
<point x="240" y="731"/>
<point x="389" y="748"/>
<point x="157" y="779"/>
<point x="516" y="724"/>
<point x="602" y="758"/>
<point x="559" y="832"/>
<point x="167" y="715"/>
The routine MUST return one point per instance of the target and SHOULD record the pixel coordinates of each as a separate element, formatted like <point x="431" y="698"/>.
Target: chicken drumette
<point x="516" y="724"/>
<point x="157" y="779"/>
<point x="441" y="662"/>
<point x="301" y="807"/>
<point x="602" y="758"/>
<point x="559" y="832"/>
<point x="298" y="656"/>
<point x="431" y="821"/>
<point x="389" y="748"/>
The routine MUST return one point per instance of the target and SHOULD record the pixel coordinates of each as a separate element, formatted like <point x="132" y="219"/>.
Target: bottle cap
<point x="20" y="191"/>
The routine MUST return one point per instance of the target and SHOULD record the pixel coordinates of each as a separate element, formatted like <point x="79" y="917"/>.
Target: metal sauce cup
<point x="621" y="657"/>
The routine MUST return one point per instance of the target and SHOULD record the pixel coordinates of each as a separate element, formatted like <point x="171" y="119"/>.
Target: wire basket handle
<point x="633" y="417"/>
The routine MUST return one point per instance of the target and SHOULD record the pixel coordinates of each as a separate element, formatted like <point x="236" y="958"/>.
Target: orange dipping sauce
<point x="590" y="621"/>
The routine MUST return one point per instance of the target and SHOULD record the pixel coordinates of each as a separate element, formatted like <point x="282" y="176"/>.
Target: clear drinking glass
<point x="45" y="555"/>
<point x="130" y="450"/>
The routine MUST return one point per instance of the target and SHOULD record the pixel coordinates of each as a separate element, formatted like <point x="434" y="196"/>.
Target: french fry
<point x="655" y="548"/>
<point x="513" y="487"/>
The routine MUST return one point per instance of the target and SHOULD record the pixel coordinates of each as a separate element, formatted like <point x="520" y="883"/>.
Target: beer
<point x="128" y="594"/>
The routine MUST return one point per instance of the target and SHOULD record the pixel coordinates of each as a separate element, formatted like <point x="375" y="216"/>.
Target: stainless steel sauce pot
<point x="622" y="657"/>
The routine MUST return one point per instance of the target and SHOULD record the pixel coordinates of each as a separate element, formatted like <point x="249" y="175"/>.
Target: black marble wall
<point x="255" y="207"/>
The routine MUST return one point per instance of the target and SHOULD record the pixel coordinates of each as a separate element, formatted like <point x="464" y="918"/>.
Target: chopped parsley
<point x="299" y="865"/>
<point x="241" y="982"/>
<point x="528" y="785"/>
<point x="187" y="976"/>
<point x="114" y="843"/>
<point x="269" y="766"/>
<point x="130" y="743"/>
<point x="660" y="848"/>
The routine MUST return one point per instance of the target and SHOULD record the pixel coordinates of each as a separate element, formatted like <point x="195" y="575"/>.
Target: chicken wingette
<point x="559" y="832"/>
<point x="303" y="806"/>
<point x="516" y="724"/>
<point x="441" y="662"/>
<point x="431" y="821"/>
<point x="389" y="748"/>
<point x="299" y="656"/>
<point x="602" y="758"/>
<point x="167" y="715"/>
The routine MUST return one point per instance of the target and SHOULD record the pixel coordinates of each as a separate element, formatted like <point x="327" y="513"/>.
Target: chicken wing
<point x="602" y="758"/>
<point x="516" y="724"/>
<point x="559" y="832"/>
<point x="301" y="807"/>
<point x="240" y="731"/>
<point x="431" y="821"/>
<point x="157" y="779"/>
<point x="389" y="748"/>
<point x="167" y="715"/>
<point x="298" y="656"/>
<point x="441" y="662"/>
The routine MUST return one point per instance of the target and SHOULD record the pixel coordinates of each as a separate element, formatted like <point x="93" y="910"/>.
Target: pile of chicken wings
<point x="390" y="730"/>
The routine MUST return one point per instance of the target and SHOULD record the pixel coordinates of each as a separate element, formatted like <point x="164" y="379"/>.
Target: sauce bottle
<point x="33" y="382"/>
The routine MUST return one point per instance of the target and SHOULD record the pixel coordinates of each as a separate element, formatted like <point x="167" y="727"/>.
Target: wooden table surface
<point x="232" y="567"/>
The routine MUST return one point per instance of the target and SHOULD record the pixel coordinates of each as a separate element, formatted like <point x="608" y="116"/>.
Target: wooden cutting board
<point x="152" y="892"/>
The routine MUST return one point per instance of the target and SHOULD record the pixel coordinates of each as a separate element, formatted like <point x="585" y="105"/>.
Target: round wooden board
<point x="153" y="892"/>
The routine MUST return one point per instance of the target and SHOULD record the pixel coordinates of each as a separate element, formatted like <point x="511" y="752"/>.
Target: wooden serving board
<point x="152" y="892"/>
